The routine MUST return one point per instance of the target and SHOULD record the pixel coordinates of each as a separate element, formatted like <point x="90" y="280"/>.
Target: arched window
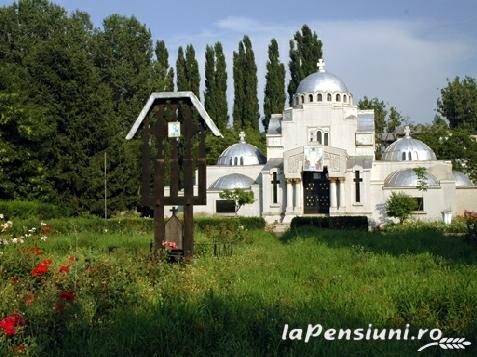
<point x="230" y="163"/>
<point x="236" y="161"/>
<point x="319" y="137"/>
<point x="415" y="155"/>
<point x="344" y="98"/>
<point x="296" y="101"/>
<point x="302" y="99"/>
<point x="241" y="160"/>
<point x="325" y="141"/>
<point x="320" y="97"/>
<point x="310" y="98"/>
<point x="409" y="156"/>
<point x="403" y="156"/>
<point x="338" y="98"/>
<point x="329" y="97"/>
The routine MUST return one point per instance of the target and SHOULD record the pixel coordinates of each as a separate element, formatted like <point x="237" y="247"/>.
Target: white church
<point x="320" y="161"/>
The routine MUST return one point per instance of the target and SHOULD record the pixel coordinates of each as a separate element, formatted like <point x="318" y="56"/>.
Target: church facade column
<point x="289" y="196"/>
<point x="342" y="193"/>
<point x="298" y="196"/>
<point x="333" y="198"/>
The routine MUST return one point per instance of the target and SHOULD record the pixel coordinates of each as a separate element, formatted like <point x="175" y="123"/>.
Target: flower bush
<point x="471" y="221"/>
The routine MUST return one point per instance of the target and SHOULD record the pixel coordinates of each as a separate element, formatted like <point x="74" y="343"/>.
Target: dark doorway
<point x="316" y="191"/>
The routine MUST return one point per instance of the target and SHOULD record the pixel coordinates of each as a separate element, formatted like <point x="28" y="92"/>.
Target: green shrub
<point x="400" y="205"/>
<point x="231" y="223"/>
<point x="15" y="209"/>
<point x="337" y="222"/>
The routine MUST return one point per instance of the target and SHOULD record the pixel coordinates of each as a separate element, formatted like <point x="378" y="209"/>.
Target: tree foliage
<point x="274" y="99"/>
<point x="239" y="196"/>
<point x="458" y="103"/>
<point x="305" y="52"/>
<point x="246" y="110"/>
<point x="400" y="205"/>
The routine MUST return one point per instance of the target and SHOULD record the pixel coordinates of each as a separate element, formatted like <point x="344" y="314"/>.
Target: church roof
<point x="241" y="154"/>
<point x="408" y="149"/>
<point x="275" y="163"/>
<point x="321" y="81"/>
<point x="408" y="178"/>
<point x="462" y="180"/>
<point x="231" y="181"/>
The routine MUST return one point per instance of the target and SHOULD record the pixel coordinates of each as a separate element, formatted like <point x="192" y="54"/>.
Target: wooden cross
<point x="174" y="210"/>
<point x="357" y="180"/>
<point x="321" y="65"/>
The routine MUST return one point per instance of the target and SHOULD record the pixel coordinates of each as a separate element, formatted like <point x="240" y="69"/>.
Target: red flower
<point x="9" y="323"/>
<point x="39" y="270"/>
<point x="46" y="229"/>
<point x="68" y="296"/>
<point x="15" y="280"/>
<point x="29" y="298"/>
<point x="36" y="251"/>
<point x="47" y="262"/>
<point x="58" y="307"/>
<point x="71" y="258"/>
<point x="64" y="268"/>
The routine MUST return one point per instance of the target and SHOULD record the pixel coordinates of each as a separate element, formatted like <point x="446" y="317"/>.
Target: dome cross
<point x="321" y="65"/>
<point x="407" y="131"/>
<point x="242" y="137"/>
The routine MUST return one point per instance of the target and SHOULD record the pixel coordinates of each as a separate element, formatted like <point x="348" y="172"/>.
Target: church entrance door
<point x="316" y="191"/>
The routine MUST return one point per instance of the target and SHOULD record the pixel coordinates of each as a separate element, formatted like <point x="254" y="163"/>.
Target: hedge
<point x="336" y="222"/>
<point x="15" y="209"/>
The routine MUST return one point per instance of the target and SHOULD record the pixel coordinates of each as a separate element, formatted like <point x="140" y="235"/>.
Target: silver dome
<point x="241" y="154"/>
<point x="321" y="82"/>
<point x="408" y="178"/>
<point x="408" y="149"/>
<point x="231" y="181"/>
<point x="462" y="180"/>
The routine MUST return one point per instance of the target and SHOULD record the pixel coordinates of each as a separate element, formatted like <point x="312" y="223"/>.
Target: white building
<point x="320" y="160"/>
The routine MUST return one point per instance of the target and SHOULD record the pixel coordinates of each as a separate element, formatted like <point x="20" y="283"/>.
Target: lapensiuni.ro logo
<point x="375" y="334"/>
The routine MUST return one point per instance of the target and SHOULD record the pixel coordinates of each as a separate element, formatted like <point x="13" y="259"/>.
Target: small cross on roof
<point x="321" y="65"/>
<point x="242" y="137"/>
<point x="407" y="131"/>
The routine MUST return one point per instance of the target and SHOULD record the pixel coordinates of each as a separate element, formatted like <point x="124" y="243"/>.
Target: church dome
<point x="241" y="154"/>
<point x="408" y="178"/>
<point x="462" y="180"/>
<point x="321" y="82"/>
<point x="408" y="149"/>
<point x="231" y="181"/>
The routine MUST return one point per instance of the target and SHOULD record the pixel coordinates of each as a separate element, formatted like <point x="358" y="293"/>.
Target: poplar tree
<point x="163" y="75"/>
<point x="192" y="71"/>
<point x="210" y="94"/>
<point x="182" y="82"/>
<point x="305" y="51"/>
<point x="246" y="111"/>
<point x="221" y="108"/>
<point x="274" y="99"/>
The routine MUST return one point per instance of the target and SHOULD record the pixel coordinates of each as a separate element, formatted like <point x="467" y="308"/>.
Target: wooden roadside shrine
<point x="173" y="150"/>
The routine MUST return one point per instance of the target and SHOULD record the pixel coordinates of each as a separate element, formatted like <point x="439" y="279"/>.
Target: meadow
<point x="120" y="302"/>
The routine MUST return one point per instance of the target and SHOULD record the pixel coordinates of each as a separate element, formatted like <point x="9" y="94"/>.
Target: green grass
<point x="238" y="305"/>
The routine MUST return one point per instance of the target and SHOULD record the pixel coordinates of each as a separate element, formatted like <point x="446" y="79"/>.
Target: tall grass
<point x="238" y="305"/>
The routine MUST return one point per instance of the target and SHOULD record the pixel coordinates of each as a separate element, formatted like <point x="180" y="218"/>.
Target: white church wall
<point x="466" y="200"/>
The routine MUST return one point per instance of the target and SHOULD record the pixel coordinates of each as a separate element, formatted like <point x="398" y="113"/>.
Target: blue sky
<point x="400" y="51"/>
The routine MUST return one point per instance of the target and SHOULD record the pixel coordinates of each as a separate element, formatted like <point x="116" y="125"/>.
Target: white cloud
<point x="402" y="62"/>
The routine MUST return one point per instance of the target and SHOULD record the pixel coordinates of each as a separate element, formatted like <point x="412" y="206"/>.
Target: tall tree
<point x="246" y="110"/>
<point x="305" y="51"/>
<point x="210" y="84"/>
<point x="163" y="74"/>
<point x="275" y="97"/>
<point x="458" y="103"/>
<point x="221" y="108"/>
<point x="188" y="77"/>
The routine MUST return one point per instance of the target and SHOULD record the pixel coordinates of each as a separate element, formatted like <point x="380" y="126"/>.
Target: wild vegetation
<point x="76" y="289"/>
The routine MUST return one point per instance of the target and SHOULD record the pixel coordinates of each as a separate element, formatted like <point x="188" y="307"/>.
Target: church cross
<point x="357" y="180"/>
<point x="407" y="131"/>
<point x="321" y="65"/>
<point x="275" y="183"/>
<point x="174" y="210"/>
<point x="242" y="137"/>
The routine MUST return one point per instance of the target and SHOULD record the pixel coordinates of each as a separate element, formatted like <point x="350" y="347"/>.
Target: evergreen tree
<point x="380" y="113"/>
<point x="394" y="120"/>
<point x="192" y="70"/>
<point x="163" y="75"/>
<point x="275" y="97"/>
<point x="221" y="108"/>
<point x="305" y="51"/>
<point x="246" y="111"/>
